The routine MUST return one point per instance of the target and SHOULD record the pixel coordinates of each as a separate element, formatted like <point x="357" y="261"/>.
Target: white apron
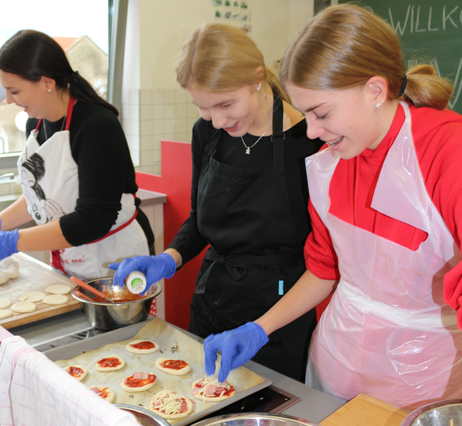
<point x="387" y="331"/>
<point x="50" y="182"/>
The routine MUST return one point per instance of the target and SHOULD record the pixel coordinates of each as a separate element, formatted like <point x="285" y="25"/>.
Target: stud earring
<point x="379" y="104"/>
<point x="49" y="90"/>
<point x="258" y="87"/>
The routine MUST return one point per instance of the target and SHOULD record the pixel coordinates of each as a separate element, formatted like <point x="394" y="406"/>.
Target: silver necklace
<point x="45" y="126"/>
<point x="248" y="148"/>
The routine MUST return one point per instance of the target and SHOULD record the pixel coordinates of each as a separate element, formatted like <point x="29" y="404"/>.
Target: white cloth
<point x="50" y="183"/>
<point x="36" y="392"/>
<point x="387" y="331"/>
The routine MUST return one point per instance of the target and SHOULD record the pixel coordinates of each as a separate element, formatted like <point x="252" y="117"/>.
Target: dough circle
<point x="5" y="313"/>
<point x="9" y="268"/>
<point x="174" y="400"/>
<point x="103" y="369"/>
<point x="84" y="369"/>
<point x="110" y="393"/>
<point x="23" y="307"/>
<point x="139" y="389"/>
<point x="55" y="299"/>
<point x="32" y="296"/>
<point x="59" y="289"/>
<point x="172" y="371"/>
<point x="4" y="303"/>
<point x="141" y="351"/>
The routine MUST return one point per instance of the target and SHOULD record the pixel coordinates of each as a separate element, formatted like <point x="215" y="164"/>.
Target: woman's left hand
<point x="8" y="243"/>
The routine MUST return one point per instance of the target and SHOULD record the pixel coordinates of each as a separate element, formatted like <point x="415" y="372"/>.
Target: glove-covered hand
<point x="237" y="347"/>
<point x="8" y="243"/>
<point x="153" y="267"/>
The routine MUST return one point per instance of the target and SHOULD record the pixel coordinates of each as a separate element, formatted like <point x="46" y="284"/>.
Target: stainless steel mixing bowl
<point x="440" y="413"/>
<point x="109" y="316"/>
<point x="254" y="419"/>
<point x="144" y="417"/>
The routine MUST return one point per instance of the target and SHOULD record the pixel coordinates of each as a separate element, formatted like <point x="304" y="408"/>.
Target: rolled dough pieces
<point x="9" y="268"/>
<point x="5" y="313"/>
<point x="32" y="296"/>
<point x="55" y="299"/>
<point x="24" y="307"/>
<point x="59" y="289"/>
<point x="4" y="303"/>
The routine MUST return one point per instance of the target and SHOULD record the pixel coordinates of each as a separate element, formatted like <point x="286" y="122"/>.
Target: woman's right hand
<point x="237" y="347"/>
<point x="154" y="268"/>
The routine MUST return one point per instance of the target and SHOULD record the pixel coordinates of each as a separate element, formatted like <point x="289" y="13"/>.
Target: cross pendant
<point x="247" y="151"/>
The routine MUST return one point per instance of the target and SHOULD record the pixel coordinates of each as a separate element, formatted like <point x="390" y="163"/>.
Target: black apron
<point x="256" y="254"/>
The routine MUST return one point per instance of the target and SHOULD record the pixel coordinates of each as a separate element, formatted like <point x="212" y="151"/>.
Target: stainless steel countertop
<point x="314" y="406"/>
<point x="150" y="197"/>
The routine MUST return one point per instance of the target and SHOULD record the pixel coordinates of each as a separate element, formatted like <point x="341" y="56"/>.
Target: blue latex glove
<point x="153" y="267"/>
<point x="8" y="243"/>
<point x="237" y="347"/>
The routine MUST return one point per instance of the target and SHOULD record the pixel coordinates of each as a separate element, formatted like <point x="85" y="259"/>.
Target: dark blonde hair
<point x="343" y="46"/>
<point x="221" y="58"/>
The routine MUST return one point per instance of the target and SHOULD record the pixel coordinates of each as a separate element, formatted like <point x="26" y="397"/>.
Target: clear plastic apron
<point x="50" y="183"/>
<point x="387" y="331"/>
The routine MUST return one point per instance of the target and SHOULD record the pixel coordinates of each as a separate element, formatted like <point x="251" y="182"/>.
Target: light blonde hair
<point x="345" y="45"/>
<point x="220" y="58"/>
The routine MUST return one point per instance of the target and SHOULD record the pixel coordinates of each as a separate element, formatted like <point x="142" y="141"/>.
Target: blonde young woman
<point x="385" y="204"/>
<point x="249" y="195"/>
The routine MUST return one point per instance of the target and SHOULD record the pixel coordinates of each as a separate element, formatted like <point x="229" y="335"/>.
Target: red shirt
<point x="438" y="144"/>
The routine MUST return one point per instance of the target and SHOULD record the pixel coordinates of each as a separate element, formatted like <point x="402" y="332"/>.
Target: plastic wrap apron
<point x="50" y="183"/>
<point x="236" y="207"/>
<point x="387" y="331"/>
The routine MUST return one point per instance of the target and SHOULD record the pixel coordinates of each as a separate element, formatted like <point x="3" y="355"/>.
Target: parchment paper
<point x="173" y="344"/>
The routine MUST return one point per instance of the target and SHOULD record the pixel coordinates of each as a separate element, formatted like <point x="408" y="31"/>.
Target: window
<point x="81" y="28"/>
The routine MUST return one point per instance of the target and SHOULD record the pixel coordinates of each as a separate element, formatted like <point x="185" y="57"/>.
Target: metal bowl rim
<point x="413" y="415"/>
<point x="271" y="416"/>
<point x="144" y="411"/>
<point x="82" y="300"/>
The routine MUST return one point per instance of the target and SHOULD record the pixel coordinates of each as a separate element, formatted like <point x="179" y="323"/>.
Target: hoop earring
<point x="379" y="104"/>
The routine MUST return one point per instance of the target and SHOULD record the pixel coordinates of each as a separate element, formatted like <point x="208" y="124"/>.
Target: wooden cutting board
<point x="34" y="276"/>
<point x="364" y="410"/>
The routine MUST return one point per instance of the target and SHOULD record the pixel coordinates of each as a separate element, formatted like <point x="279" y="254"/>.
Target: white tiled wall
<point x="150" y="115"/>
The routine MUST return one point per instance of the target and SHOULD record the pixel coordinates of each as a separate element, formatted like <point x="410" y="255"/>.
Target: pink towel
<point x="36" y="392"/>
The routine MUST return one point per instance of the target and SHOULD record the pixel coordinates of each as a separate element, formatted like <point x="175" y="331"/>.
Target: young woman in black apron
<point x="249" y="195"/>
<point x="75" y="170"/>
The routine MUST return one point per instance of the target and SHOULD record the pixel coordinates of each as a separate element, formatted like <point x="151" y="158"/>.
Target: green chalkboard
<point x="430" y="31"/>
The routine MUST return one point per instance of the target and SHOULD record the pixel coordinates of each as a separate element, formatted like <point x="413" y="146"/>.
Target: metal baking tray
<point x="245" y="381"/>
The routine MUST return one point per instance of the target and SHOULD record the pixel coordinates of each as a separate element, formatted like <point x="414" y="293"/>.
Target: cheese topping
<point x="169" y="402"/>
<point x="210" y="387"/>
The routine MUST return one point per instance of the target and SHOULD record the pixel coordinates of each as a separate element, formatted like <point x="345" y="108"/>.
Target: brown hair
<point x="343" y="46"/>
<point x="32" y="54"/>
<point x="221" y="58"/>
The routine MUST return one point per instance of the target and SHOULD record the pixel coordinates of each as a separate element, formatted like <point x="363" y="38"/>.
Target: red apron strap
<point x="55" y="261"/>
<point x="70" y="107"/>
<point x="120" y="227"/>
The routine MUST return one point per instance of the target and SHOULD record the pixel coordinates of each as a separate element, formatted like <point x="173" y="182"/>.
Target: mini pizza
<point x="170" y="405"/>
<point x="104" y="392"/>
<point x="176" y="367"/>
<point x="142" y="347"/>
<point x="77" y="371"/>
<point x="210" y="389"/>
<point x="110" y="363"/>
<point x="138" y="382"/>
